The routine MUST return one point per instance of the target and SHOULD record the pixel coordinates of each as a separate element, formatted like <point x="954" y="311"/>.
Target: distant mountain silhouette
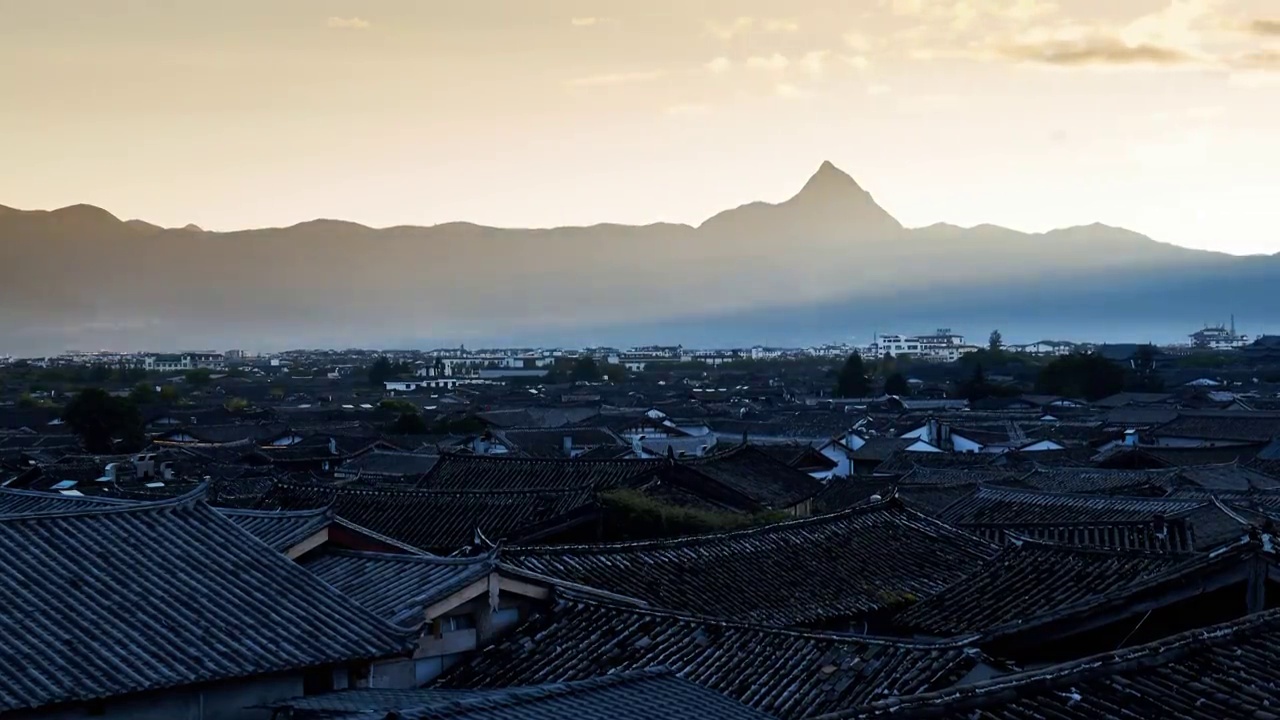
<point x="826" y="263"/>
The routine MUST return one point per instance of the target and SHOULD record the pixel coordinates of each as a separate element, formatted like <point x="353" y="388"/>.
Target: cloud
<point x="775" y="25"/>
<point x="787" y="90"/>
<point x="1265" y="27"/>
<point x="746" y="24"/>
<point x="615" y="79"/>
<point x="857" y="42"/>
<point x="688" y="109"/>
<point x="351" y="23"/>
<point x="874" y="90"/>
<point x="858" y="62"/>
<point x="776" y="61"/>
<point x="1099" y="50"/>
<point x="591" y="21"/>
<point x="1172" y="36"/>
<point x="815" y="61"/>
<point x="719" y="65"/>
<point x="1257" y="60"/>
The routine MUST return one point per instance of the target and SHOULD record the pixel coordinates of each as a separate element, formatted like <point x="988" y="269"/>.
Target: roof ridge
<point x="1070" y="549"/>
<point x="423" y="558"/>
<point x="191" y="497"/>
<point x="1006" y="490"/>
<point x="430" y="491"/>
<point x="883" y="641"/>
<point x="1064" y="672"/>
<point x="104" y="499"/>
<point x="281" y="513"/>
<point x="521" y="694"/>
<point x="743" y="532"/>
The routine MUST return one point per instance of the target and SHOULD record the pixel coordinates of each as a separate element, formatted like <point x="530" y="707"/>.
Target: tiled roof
<point x="281" y="529"/>
<point x="1098" y="481"/>
<point x="437" y="520"/>
<point x="882" y="448"/>
<point x="925" y="475"/>
<point x="654" y="694"/>
<point x="25" y="502"/>
<point x="385" y="463"/>
<point x="993" y="505"/>
<point x="396" y="587"/>
<point x="539" y="443"/>
<point x="481" y="472"/>
<point x="203" y="601"/>
<point x="1174" y="535"/>
<point x="797" y="455"/>
<point x="1222" y="426"/>
<point x="785" y="673"/>
<point x="802" y="571"/>
<point x="1029" y="579"/>
<point x="933" y="499"/>
<point x="903" y="462"/>
<point x="1228" y="476"/>
<point x="1223" y="671"/>
<point x="756" y="475"/>
<point x="842" y="493"/>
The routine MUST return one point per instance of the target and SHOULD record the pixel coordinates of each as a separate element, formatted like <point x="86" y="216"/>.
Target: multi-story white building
<point x="941" y="346"/>
<point x="184" y="361"/>
<point x="1219" y="337"/>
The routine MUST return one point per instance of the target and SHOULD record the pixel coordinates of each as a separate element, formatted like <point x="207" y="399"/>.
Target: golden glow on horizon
<point x="1153" y="115"/>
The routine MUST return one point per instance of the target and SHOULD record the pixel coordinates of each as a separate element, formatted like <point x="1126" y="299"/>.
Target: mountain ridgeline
<point x="825" y="264"/>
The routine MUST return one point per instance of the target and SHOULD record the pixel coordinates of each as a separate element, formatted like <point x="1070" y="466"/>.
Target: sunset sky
<point x="1152" y="115"/>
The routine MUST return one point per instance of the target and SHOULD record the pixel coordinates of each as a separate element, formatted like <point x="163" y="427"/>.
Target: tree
<point x="199" y="377"/>
<point x="99" y="374"/>
<point x="613" y="372"/>
<point x="976" y="387"/>
<point x="409" y="423"/>
<point x="852" y="381"/>
<point x="1089" y="376"/>
<point x="996" y="342"/>
<point x="896" y="384"/>
<point x="1143" y="377"/>
<point x="143" y="393"/>
<point x="380" y="371"/>
<point x="585" y="370"/>
<point x="100" y="419"/>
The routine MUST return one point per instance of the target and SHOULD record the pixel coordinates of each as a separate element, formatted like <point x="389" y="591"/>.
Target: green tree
<point x="976" y="387"/>
<point x="586" y="369"/>
<point x="380" y="371"/>
<point x="996" y="342"/>
<point x="199" y="377"/>
<point x="896" y="384"/>
<point x="101" y="419"/>
<point x="614" y="372"/>
<point x="99" y="374"/>
<point x="409" y="423"/>
<point x="1081" y="375"/>
<point x="1143" y="377"/>
<point x="852" y="381"/>
<point x="143" y="393"/>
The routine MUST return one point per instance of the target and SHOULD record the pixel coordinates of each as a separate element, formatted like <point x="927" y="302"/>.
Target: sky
<point x="1152" y="115"/>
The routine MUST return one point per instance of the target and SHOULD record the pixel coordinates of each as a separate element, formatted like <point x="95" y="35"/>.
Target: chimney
<point x="566" y="446"/>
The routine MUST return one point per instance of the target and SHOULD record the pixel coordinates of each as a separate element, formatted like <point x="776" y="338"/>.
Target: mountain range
<point x="829" y="263"/>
